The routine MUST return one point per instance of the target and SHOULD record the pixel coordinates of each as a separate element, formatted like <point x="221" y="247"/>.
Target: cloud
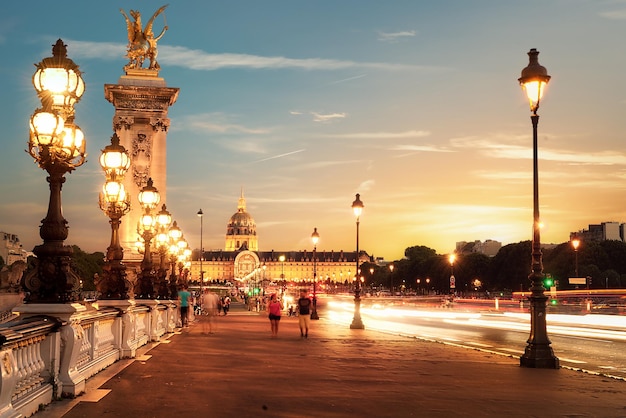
<point x="329" y="117"/>
<point x="218" y="122"/>
<point x="395" y="36"/>
<point x="366" y="185"/>
<point x="195" y="59"/>
<point x="614" y="14"/>
<point x="419" y="148"/>
<point x="500" y="149"/>
<point x="280" y="155"/>
<point x="384" y="135"/>
<point x="356" y="77"/>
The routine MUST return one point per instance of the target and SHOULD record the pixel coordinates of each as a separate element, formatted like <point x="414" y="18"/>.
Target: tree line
<point x="604" y="263"/>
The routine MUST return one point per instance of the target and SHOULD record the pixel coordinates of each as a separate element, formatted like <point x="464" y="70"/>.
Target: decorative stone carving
<point x="142" y="144"/>
<point x="140" y="175"/>
<point x="160" y="124"/>
<point x="125" y="122"/>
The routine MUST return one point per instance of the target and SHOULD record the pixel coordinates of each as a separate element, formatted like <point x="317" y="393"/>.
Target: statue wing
<point x="129" y="26"/>
<point x="148" y="28"/>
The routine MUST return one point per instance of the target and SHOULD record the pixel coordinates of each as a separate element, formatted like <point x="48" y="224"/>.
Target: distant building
<point x="241" y="260"/>
<point x="490" y="247"/>
<point x="605" y="231"/>
<point x="11" y="248"/>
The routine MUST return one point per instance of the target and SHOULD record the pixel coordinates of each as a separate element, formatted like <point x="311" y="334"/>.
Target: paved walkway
<point x="241" y="371"/>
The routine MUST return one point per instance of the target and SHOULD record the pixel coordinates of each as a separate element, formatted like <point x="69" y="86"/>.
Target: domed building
<point x="241" y="230"/>
<point x="242" y="264"/>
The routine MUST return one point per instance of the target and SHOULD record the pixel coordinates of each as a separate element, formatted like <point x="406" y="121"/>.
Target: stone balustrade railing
<point x="50" y="350"/>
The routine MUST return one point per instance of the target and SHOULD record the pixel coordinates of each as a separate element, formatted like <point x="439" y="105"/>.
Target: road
<point x="592" y="342"/>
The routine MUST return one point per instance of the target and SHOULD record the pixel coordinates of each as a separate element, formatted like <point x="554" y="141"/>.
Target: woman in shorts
<point x="274" y="307"/>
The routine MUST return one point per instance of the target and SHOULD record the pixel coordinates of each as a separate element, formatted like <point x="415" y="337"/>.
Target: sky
<point x="413" y="104"/>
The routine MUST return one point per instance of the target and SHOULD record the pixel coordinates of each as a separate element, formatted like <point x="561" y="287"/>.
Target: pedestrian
<point x="183" y="299"/>
<point x="274" y="307"/>
<point x="226" y="305"/>
<point x="210" y="309"/>
<point x="304" y="312"/>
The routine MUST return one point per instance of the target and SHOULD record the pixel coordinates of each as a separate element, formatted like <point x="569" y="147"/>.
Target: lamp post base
<point x="357" y="323"/>
<point x="539" y="357"/>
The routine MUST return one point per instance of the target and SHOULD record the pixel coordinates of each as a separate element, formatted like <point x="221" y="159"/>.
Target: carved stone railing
<point x="51" y="349"/>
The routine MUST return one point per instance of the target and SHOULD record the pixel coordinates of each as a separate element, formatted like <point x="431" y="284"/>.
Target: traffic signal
<point x="548" y="282"/>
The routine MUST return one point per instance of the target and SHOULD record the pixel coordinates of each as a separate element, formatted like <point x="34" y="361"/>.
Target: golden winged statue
<point x="142" y="43"/>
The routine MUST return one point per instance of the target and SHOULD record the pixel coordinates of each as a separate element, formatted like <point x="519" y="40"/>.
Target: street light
<point x="357" y="323"/>
<point x="391" y="267"/>
<point x="315" y="237"/>
<point x="538" y="353"/>
<point x="175" y="250"/>
<point x="115" y="203"/>
<point x="57" y="146"/>
<point x="451" y="259"/>
<point x="163" y="222"/>
<point x="149" y="198"/>
<point x="200" y="215"/>
<point x="282" y="274"/>
<point x="576" y="244"/>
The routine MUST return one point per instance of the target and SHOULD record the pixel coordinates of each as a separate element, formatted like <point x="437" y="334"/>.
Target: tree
<point x="87" y="266"/>
<point x="510" y="268"/>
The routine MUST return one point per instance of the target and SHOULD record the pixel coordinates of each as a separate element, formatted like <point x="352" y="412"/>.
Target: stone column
<point x="141" y="100"/>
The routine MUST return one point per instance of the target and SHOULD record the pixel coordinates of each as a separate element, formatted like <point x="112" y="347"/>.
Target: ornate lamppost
<point x="163" y="222"/>
<point x="58" y="146"/>
<point x="315" y="237"/>
<point x="174" y="251"/>
<point x="148" y="199"/>
<point x="357" y="323"/>
<point x="538" y="353"/>
<point x="115" y="203"/>
<point x="200" y="215"/>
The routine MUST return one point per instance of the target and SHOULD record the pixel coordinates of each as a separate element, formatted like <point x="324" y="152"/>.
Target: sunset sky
<point x="413" y="104"/>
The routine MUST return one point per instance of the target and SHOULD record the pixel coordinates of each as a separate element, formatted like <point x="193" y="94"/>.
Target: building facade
<point x="11" y="248"/>
<point x="241" y="263"/>
<point x="605" y="231"/>
<point x="490" y="247"/>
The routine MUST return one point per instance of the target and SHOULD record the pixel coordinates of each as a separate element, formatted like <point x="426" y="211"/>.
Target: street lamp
<point x="576" y="244"/>
<point x="175" y="250"/>
<point x="57" y="146"/>
<point x="357" y="323"/>
<point x="163" y="222"/>
<point x="115" y="203"/>
<point x="149" y="198"/>
<point x="538" y="353"/>
<point x="315" y="237"/>
<point x="451" y="259"/>
<point x="391" y="267"/>
<point x="282" y="274"/>
<point x="200" y="215"/>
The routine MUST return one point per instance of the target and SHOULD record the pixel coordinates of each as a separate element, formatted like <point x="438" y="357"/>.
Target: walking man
<point x="183" y="298"/>
<point x="304" y="311"/>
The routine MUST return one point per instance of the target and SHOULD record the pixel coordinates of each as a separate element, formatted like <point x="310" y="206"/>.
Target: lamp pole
<point x="315" y="237"/>
<point x="58" y="146"/>
<point x="115" y="203"/>
<point x="282" y="275"/>
<point x="576" y="244"/>
<point x="451" y="259"/>
<point x="357" y="323"/>
<point x="148" y="199"/>
<point x="391" y="267"/>
<point x="200" y="215"/>
<point x="538" y="353"/>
